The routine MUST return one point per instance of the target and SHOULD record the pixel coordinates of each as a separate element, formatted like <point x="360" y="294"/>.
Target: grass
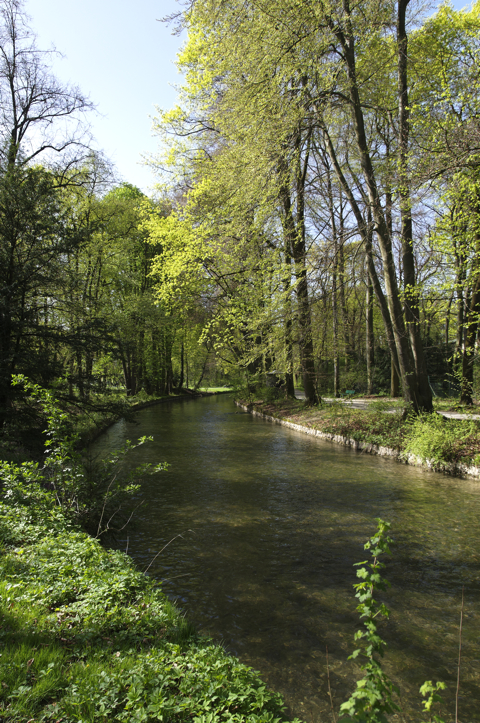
<point x="215" y="389"/>
<point x="435" y="439"/>
<point x="86" y="636"/>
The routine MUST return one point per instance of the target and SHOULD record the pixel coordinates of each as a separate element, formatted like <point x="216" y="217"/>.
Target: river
<point x="271" y="524"/>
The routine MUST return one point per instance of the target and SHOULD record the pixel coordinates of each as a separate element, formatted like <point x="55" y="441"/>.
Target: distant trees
<point x="77" y="310"/>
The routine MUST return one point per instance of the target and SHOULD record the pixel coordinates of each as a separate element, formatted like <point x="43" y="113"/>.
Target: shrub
<point x="93" y="496"/>
<point x="441" y="441"/>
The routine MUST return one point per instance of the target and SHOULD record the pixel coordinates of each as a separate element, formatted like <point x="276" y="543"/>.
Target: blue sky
<point x="118" y="54"/>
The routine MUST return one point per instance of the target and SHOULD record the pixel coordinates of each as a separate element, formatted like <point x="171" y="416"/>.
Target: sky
<point x="123" y="59"/>
<point x="118" y="53"/>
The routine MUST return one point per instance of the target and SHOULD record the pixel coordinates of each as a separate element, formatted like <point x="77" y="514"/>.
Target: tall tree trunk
<point x="289" y="380"/>
<point x="336" y="367"/>
<point x="411" y="305"/>
<point x="370" y="340"/>
<point x="460" y="284"/>
<point x="341" y="290"/>
<point x="168" y="341"/>
<point x="333" y="229"/>
<point x="468" y="355"/>
<point x="296" y="237"/>
<point x="202" y="373"/>
<point x="182" y="351"/>
<point x="394" y="382"/>
<point x="447" y="320"/>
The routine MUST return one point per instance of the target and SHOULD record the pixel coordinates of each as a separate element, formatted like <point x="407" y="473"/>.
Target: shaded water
<point x="272" y="522"/>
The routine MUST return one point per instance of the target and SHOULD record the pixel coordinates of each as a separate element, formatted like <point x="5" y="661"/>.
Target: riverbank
<point x="86" y="636"/>
<point x="445" y="445"/>
<point x="92" y="430"/>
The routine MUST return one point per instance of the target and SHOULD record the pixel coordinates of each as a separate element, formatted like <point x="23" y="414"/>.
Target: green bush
<point x="442" y="441"/>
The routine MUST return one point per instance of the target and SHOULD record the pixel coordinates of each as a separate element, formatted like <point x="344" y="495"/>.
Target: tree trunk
<point x="296" y="238"/>
<point x="468" y="356"/>
<point x="341" y="291"/>
<point x="411" y="306"/>
<point x="289" y="380"/>
<point x="202" y="373"/>
<point x="182" y="351"/>
<point x="394" y="382"/>
<point x="336" y="369"/>
<point x="370" y="341"/>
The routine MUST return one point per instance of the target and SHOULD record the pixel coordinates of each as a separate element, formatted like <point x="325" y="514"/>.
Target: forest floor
<point x="438" y="439"/>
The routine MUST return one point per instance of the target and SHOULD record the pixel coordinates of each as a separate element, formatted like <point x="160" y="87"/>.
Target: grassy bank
<point x="433" y="438"/>
<point x="85" y="636"/>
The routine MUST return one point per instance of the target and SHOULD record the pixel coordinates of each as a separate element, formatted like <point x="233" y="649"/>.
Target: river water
<point x="271" y="524"/>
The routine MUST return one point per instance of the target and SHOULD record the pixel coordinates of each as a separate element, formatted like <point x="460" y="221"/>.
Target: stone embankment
<point x="454" y="469"/>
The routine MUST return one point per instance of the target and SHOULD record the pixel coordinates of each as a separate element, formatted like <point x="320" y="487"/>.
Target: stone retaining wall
<point x="456" y="470"/>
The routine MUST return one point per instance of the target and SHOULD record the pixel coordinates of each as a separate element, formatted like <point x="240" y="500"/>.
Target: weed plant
<point x="375" y="693"/>
<point x="370" y="426"/>
<point x="94" y="496"/>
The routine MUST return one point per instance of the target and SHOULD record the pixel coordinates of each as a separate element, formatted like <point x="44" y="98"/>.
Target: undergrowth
<point x="439" y="440"/>
<point x="85" y="636"/>
<point x="386" y="430"/>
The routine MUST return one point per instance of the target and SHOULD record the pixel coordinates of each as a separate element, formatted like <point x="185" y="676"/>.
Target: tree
<point x="40" y="122"/>
<point x="39" y="117"/>
<point x="319" y="128"/>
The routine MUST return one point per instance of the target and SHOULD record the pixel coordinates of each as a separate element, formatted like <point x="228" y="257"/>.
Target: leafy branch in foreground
<point x="373" y="698"/>
<point x="89" y="495"/>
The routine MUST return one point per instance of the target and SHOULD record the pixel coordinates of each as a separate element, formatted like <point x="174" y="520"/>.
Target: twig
<point x="104" y="505"/>
<point x="163" y="548"/>
<point x="329" y="688"/>
<point x="126" y="549"/>
<point x="459" y="656"/>
<point x="120" y="529"/>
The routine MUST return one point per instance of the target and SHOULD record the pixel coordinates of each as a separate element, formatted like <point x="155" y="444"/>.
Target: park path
<point x="364" y="404"/>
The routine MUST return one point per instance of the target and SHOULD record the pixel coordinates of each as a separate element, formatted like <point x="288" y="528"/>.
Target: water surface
<point x="271" y="523"/>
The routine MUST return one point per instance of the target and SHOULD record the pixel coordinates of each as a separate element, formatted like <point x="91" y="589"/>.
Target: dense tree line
<point x="322" y="221"/>
<point x="326" y="157"/>
<point x="77" y="308"/>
